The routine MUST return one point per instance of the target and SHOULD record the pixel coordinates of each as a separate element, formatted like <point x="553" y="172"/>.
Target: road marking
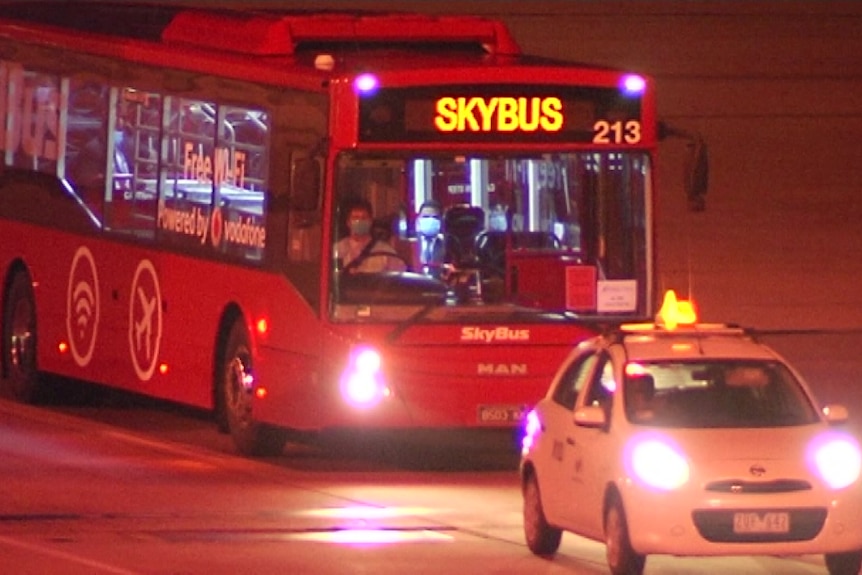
<point x="83" y="561"/>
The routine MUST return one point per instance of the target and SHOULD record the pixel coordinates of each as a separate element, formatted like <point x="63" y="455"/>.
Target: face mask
<point x="428" y="225"/>
<point x="498" y="223"/>
<point x="360" y="227"/>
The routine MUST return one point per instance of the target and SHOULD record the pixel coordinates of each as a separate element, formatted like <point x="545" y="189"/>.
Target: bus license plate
<point x="501" y="414"/>
<point x="753" y="522"/>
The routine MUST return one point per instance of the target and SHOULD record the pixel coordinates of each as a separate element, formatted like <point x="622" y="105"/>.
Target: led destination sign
<point x="505" y="114"/>
<point x="491" y="113"/>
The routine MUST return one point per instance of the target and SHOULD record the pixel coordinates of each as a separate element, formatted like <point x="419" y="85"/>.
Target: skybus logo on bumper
<point x="497" y="334"/>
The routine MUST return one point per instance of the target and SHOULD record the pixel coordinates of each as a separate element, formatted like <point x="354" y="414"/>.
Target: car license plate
<point x="767" y="522"/>
<point x="501" y="414"/>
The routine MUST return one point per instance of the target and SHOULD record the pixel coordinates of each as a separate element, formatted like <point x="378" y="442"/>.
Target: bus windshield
<point x="561" y="233"/>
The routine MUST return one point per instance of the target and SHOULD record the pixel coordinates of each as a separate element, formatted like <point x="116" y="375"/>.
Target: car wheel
<point x="20" y="380"/>
<point x="844" y="563"/>
<point x="622" y="559"/>
<point x="542" y="538"/>
<point x="235" y="375"/>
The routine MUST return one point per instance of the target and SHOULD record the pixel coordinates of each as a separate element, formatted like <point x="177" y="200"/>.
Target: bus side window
<point x="241" y="176"/>
<point x="130" y="195"/>
<point x="304" y="225"/>
<point x="86" y="143"/>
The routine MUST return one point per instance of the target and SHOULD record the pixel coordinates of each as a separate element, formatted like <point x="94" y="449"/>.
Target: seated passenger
<point x="432" y="243"/>
<point x="360" y="251"/>
<point x="498" y="219"/>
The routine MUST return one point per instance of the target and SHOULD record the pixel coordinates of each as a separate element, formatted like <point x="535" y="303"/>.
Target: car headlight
<point x="362" y="382"/>
<point x="655" y="461"/>
<point x="836" y="458"/>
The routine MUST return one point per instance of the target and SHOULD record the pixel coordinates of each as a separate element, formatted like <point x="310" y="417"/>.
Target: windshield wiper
<point x="396" y="333"/>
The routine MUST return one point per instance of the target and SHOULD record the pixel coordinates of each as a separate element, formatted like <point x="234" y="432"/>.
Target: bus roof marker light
<point x="366" y="83"/>
<point x="324" y="62"/>
<point x="633" y="84"/>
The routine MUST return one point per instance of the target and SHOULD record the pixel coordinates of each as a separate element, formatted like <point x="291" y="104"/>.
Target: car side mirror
<point x="591" y="416"/>
<point x="835" y="413"/>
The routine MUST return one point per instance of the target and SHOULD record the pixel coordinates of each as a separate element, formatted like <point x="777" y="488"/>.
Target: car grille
<point x="741" y="486"/>
<point x="717" y="526"/>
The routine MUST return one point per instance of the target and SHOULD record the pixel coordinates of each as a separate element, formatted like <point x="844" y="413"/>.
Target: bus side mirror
<point x="696" y="174"/>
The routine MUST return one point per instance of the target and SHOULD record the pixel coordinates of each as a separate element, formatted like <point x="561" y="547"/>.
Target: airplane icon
<point x="145" y="325"/>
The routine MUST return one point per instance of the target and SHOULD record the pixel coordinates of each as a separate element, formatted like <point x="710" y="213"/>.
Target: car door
<point x="591" y="449"/>
<point x="554" y="454"/>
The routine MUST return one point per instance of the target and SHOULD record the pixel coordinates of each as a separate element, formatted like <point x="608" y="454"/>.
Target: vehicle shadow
<point x="348" y="450"/>
<point x="426" y="450"/>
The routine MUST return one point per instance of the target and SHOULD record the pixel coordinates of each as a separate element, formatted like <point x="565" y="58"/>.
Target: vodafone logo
<point x="82" y="306"/>
<point x="216" y="227"/>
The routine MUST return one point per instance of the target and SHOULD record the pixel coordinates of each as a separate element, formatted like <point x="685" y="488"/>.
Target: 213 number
<point x="619" y="132"/>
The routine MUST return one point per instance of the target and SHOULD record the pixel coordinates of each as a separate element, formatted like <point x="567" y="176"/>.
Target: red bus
<point x="174" y="181"/>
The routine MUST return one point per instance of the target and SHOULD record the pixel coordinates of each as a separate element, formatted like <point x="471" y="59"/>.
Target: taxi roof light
<point x="676" y="312"/>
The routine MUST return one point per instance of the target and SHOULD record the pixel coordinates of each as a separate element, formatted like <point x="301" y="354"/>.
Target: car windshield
<point x="562" y="233"/>
<point x="730" y="394"/>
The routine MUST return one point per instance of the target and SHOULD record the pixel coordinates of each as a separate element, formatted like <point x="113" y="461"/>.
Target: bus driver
<point x="359" y="251"/>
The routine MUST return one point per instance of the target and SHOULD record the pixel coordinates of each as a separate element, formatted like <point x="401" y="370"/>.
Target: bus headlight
<point x="362" y="382"/>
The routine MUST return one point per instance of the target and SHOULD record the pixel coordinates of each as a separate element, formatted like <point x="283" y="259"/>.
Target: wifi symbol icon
<point x="82" y="306"/>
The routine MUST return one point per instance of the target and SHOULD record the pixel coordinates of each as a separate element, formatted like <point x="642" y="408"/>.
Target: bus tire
<point x="20" y="381"/>
<point x="250" y="437"/>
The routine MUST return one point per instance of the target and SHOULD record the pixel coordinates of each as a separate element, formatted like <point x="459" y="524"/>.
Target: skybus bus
<point x="174" y="180"/>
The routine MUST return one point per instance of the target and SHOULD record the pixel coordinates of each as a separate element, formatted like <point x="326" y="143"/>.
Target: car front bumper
<point x="680" y="523"/>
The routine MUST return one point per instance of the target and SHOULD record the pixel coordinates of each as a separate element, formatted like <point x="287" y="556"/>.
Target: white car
<point x="696" y="441"/>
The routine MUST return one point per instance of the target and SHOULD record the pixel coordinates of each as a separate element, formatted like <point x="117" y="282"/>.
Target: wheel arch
<point x="612" y="493"/>
<point x="527" y="471"/>
<point x="230" y="314"/>
<point x="15" y="267"/>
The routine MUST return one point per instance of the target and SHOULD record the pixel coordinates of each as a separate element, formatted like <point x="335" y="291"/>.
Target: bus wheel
<point x="235" y="387"/>
<point x="20" y="377"/>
